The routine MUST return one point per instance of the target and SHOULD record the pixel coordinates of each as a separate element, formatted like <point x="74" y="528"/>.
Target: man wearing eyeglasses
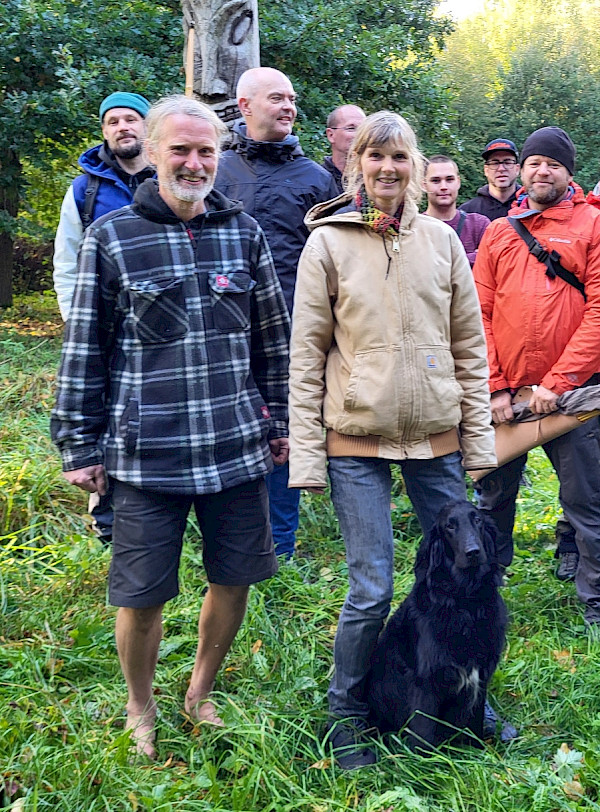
<point x="342" y="124"/>
<point x="501" y="168"/>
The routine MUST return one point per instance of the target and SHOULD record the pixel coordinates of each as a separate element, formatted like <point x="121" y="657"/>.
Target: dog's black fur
<point x="437" y="653"/>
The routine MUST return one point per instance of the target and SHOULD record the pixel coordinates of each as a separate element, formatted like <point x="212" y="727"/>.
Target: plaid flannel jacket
<point x="175" y="358"/>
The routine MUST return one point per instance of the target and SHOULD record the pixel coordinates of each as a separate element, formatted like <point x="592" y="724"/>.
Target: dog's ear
<point x="431" y="557"/>
<point x="422" y="559"/>
<point x="489" y="534"/>
<point x="426" y="550"/>
<point x="437" y="553"/>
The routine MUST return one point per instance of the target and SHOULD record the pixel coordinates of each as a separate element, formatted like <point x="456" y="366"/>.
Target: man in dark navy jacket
<point x="266" y="169"/>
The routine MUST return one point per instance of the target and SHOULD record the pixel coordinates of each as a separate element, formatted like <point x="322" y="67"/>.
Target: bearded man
<point x="173" y="386"/>
<point x="538" y="277"/>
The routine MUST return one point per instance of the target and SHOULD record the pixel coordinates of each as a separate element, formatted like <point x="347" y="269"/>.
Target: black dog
<point x="437" y="653"/>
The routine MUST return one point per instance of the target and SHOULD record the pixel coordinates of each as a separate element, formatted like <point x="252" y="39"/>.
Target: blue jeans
<point x="361" y="493"/>
<point x="284" y="506"/>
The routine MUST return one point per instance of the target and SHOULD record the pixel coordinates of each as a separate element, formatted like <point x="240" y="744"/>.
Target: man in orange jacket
<point x="543" y="331"/>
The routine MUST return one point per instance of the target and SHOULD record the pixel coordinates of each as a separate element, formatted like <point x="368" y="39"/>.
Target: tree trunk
<point x="9" y="206"/>
<point x="226" y="43"/>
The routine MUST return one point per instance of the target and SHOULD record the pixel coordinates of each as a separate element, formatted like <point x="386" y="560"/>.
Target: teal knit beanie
<point x="121" y="99"/>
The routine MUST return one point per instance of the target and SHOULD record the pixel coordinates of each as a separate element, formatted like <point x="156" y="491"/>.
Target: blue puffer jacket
<point x="277" y="185"/>
<point x="116" y="188"/>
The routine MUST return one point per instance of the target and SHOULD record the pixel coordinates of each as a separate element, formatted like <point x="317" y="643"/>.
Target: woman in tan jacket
<point x="388" y="365"/>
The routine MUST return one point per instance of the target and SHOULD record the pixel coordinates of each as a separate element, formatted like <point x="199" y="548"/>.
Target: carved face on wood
<point x="226" y="44"/>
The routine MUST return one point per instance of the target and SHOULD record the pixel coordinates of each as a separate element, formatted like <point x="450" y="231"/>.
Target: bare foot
<point x="203" y="711"/>
<point x="143" y="733"/>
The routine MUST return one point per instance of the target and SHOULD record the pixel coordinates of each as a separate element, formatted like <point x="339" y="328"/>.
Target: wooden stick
<point x="189" y="62"/>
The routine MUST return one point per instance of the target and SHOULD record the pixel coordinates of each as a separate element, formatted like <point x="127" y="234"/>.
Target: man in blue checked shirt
<point x="173" y="384"/>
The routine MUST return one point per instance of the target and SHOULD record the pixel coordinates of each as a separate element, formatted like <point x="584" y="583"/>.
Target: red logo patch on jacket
<point x="264" y="410"/>
<point x="223" y="281"/>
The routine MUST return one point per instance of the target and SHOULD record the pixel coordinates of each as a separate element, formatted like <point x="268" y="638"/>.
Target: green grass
<point x="62" y="745"/>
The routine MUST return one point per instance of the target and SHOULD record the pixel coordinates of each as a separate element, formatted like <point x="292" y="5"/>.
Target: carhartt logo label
<point x="558" y="239"/>
<point x="431" y="361"/>
<point x="265" y="412"/>
<point x="222" y="281"/>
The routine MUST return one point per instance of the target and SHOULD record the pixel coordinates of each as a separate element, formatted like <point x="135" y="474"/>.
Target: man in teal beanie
<point x="131" y="101"/>
<point x="112" y="171"/>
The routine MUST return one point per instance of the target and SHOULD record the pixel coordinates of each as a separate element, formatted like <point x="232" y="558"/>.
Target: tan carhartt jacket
<point x="388" y="352"/>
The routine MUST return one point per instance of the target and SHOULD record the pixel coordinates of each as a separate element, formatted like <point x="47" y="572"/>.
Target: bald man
<point x="342" y="123"/>
<point x="266" y="169"/>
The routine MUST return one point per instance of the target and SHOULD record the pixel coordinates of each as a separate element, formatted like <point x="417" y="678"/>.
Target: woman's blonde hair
<point x="376" y="130"/>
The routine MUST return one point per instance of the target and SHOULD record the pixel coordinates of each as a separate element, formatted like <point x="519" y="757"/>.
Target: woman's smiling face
<point x="386" y="172"/>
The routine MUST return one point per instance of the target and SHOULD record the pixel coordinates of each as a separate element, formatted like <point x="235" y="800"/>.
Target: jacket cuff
<point x="73" y="460"/>
<point x="557" y="384"/>
<point x="279" y="428"/>
<point x="499" y="385"/>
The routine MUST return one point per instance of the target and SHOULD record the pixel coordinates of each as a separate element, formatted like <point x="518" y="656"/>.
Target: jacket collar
<point x="100" y="161"/>
<point x="484" y="191"/>
<point x="272" y="151"/>
<point x="343" y="209"/>
<point x="331" y="167"/>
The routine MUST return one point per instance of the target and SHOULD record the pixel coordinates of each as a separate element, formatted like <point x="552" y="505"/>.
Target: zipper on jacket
<point x="396" y="243"/>
<point x="387" y="253"/>
<point x="191" y="236"/>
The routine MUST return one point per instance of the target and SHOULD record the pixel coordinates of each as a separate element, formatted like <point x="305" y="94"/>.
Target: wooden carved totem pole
<point x="222" y="41"/>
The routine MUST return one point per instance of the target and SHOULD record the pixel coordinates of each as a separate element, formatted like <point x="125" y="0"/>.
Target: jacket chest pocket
<point x="159" y="312"/>
<point x="230" y="300"/>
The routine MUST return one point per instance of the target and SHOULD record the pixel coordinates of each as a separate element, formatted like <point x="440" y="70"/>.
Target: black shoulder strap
<point x="91" y="190"/>
<point x="461" y="222"/>
<point x="551" y="259"/>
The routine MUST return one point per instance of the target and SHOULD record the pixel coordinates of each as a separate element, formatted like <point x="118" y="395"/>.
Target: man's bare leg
<point x="138" y="633"/>
<point x="221" y="616"/>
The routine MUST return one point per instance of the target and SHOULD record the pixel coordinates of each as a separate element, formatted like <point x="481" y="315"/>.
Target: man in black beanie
<point x="543" y="331"/>
<point x="551" y="142"/>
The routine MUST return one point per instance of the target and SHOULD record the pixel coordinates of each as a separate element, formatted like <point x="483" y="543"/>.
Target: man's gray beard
<point x="128" y="152"/>
<point x="189" y="195"/>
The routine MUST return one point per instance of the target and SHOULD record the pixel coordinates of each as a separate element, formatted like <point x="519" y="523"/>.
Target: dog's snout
<point x="473" y="552"/>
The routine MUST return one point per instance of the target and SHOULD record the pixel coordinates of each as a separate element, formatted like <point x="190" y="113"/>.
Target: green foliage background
<point x="374" y="54"/>
<point x="520" y="65"/>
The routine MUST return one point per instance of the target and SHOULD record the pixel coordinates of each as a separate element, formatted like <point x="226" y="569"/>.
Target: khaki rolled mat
<point x="519" y="436"/>
<point x="514" y="439"/>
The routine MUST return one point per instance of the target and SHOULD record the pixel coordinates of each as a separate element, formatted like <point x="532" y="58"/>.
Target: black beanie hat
<point x="553" y="143"/>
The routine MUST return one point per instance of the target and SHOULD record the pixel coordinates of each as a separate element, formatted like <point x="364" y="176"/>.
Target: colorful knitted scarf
<point x="376" y="219"/>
